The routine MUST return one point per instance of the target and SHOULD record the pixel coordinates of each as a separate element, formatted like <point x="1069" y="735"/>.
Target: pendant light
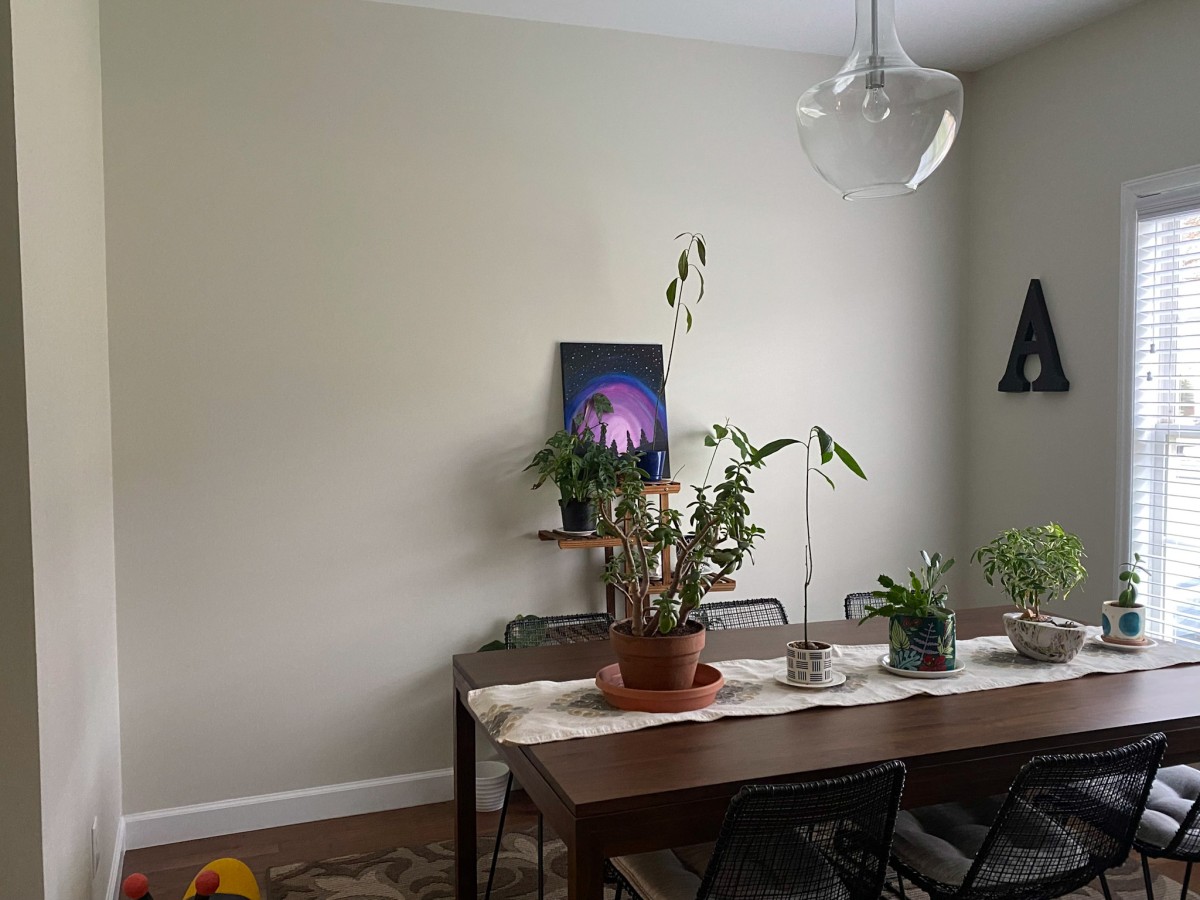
<point x="882" y="124"/>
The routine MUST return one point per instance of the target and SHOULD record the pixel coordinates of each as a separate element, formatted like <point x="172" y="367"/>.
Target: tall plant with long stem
<point x="827" y="449"/>
<point x="675" y="299"/>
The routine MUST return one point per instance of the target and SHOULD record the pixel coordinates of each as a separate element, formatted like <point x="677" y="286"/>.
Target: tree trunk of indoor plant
<point x="662" y="662"/>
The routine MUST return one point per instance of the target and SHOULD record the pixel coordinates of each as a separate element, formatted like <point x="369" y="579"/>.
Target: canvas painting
<point x="630" y="376"/>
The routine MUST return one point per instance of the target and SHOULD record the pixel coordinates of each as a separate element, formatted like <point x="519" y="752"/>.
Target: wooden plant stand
<point x="663" y="490"/>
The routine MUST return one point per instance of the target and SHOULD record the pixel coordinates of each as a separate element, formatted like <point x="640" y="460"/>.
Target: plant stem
<point x="807" y="530"/>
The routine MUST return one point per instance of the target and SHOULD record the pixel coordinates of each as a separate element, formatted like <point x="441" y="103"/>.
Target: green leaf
<point x="700" y="250"/>
<point x="825" y="442"/>
<point x="601" y="403"/>
<point x="721" y="431"/>
<point x="710" y="441"/>
<point x="826" y="477"/>
<point x="774" y="447"/>
<point x="689" y="318"/>
<point x="849" y="461"/>
<point x="671" y="289"/>
<point x="683" y="266"/>
<point x="1124" y="576"/>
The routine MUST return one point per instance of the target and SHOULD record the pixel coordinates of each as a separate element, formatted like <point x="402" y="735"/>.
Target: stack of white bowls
<point x="490" y="778"/>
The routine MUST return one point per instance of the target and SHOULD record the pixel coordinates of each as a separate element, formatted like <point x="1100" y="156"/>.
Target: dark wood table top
<point x="951" y="734"/>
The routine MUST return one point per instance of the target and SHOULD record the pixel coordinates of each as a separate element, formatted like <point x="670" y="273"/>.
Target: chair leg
<point x="1187" y="876"/>
<point x="541" y="865"/>
<point x="1104" y="887"/>
<point x="487" y="894"/>
<point x="1146" y="877"/>
<point x="900" y="885"/>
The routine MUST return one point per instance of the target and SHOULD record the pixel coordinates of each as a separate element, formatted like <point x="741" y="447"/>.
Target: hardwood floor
<point x="171" y="867"/>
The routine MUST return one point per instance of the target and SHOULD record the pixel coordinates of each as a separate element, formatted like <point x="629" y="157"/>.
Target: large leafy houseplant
<point x="1034" y="566"/>
<point x="920" y="627"/>
<point x="719" y="539"/>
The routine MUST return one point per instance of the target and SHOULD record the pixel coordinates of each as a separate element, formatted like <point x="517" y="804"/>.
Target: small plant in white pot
<point x="1125" y="618"/>
<point x="1035" y="566"/>
<point x="920" y="627"/>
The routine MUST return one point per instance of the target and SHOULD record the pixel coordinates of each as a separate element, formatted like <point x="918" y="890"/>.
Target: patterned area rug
<point x="426" y="873"/>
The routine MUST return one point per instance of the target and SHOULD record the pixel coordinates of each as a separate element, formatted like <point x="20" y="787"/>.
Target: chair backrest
<point x="826" y="839"/>
<point x="539" y="631"/>
<point x="1066" y="820"/>
<point x="741" y="613"/>
<point x="856" y="604"/>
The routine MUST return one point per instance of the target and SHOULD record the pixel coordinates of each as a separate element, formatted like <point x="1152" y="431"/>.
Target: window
<point x="1162" y="372"/>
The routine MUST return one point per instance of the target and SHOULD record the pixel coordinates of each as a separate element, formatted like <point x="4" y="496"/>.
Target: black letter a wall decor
<point x="1035" y="336"/>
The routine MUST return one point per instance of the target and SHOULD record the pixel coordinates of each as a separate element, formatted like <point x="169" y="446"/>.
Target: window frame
<point x="1156" y="193"/>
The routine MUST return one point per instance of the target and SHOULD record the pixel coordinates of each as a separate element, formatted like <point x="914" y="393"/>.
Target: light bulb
<point x="877" y="105"/>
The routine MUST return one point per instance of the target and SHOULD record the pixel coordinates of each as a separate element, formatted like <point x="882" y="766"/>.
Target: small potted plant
<point x="1035" y="566"/>
<point x="580" y="464"/>
<point x="1125" y="618"/>
<point x="659" y="646"/>
<point x="812" y="661"/>
<point x="920" y="628"/>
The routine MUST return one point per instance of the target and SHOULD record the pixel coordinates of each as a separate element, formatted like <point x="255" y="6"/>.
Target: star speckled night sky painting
<point x="630" y="376"/>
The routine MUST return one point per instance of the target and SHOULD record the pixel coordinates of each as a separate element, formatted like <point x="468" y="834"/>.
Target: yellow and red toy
<point x="221" y="879"/>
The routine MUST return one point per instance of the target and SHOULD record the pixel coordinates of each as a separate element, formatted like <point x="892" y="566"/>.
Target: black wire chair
<point x="823" y="840"/>
<point x="541" y="631"/>
<point x="741" y="613"/>
<point x="1170" y="826"/>
<point x="856" y="604"/>
<point x="1065" y="821"/>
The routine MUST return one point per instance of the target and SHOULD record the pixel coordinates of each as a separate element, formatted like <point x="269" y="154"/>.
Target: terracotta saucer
<point x="702" y="692"/>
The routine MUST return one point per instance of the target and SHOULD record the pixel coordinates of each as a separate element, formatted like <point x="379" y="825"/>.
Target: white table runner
<point x="542" y="711"/>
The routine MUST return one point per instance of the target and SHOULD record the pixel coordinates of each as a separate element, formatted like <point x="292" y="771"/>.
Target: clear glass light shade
<point x="882" y="124"/>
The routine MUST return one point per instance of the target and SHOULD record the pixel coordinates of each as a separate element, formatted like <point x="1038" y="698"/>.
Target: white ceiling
<point x="953" y="34"/>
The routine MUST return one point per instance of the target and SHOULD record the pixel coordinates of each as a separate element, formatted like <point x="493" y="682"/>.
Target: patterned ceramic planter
<point x="1124" y="624"/>
<point x="810" y="663"/>
<point x="1044" y="640"/>
<point x="921" y="643"/>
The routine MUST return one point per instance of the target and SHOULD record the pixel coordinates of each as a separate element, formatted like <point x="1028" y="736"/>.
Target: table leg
<point x="585" y="869"/>
<point x="465" y="846"/>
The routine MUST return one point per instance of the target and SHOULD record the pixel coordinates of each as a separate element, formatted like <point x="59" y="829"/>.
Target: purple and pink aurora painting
<point x="630" y="376"/>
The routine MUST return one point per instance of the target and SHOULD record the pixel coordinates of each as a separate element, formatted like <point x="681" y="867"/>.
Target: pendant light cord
<point x="875" y="76"/>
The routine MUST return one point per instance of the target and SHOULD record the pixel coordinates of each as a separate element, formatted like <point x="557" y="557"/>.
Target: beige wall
<point x="20" y="779"/>
<point x="1053" y="135"/>
<point x="344" y="241"/>
<point x="56" y="60"/>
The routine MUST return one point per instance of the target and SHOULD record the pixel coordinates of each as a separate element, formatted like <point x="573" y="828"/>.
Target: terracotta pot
<point x="658" y="663"/>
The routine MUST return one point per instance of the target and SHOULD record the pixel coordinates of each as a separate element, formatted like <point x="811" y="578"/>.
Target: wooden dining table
<point x="669" y="786"/>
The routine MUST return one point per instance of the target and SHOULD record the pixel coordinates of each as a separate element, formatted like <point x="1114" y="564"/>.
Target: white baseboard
<point x="189" y="823"/>
<point x="118" y="863"/>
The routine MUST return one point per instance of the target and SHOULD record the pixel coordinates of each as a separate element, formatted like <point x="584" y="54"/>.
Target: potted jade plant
<point x="1035" y="566"/>
<point x="1125" y="618"/>
<point x="811" y="662"/>
<point x="659" y="646"/>
<point x="653" y="461"/>
<point x="581" y="465"/>
<point x="920" y="627"/>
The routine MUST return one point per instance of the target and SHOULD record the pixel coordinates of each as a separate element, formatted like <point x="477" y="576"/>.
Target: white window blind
<point x="1164" y="492"/>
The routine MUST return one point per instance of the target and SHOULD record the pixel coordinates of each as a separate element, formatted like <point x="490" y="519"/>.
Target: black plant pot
<point x="578" y="515"/>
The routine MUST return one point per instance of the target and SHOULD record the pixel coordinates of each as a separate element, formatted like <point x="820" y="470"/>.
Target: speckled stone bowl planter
<point x="1124" y="624"/>
<point x="1044" y="640"/>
